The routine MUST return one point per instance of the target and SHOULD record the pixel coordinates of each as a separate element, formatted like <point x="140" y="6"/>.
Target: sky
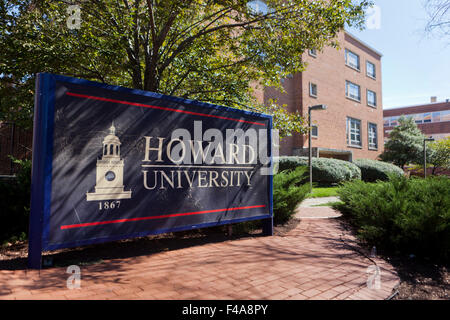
<point x="415" y="65"/>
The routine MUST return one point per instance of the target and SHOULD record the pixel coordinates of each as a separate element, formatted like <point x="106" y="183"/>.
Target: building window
<point x="436" y="116"/>
<point x="312" y="52"/>
<point x="418" y="118"/>
<point x="313" y="90"/>
<point x="352" y="60"/>
<point x="445" y="115"/>
<point x="354" y="132"/>
<point x="394" y="121"/>
<point x="314" y="131"/>
<point x="386" y="122"/>
<point x="370" y="70"/>
<point x="352" y="91"/>
<point x="371" y="98"/>
<point x="373" y="137"/>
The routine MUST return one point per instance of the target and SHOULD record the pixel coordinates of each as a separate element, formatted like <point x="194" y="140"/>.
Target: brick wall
<point x="432" y="128"/>
<point x="329" y="72"/>
<point x="434" y="107"/>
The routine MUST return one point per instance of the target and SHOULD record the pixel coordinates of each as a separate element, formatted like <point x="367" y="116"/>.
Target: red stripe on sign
<point x="160" y="108"/>
<point x="90" y="224"/>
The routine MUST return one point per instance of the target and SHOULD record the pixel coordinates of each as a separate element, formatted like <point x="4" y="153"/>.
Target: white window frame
<point x="311" y="94"/>
<point x="367" y="97"/>
<point x="354" y="131"/>
<point x="372" y="136"/>
<point x="347" y="60"/>
<point x="374" y="76"/>
<point x="312" y="53"/>
<point x="347" y="91"/>
<point x="317" y="131"/>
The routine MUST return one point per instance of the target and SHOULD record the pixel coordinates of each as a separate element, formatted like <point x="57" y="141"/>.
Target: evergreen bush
<point x="288" y="191"/>
<point x="405" y="215"/>
<point x="325" y="170"/>
<point x="372" y="170"/>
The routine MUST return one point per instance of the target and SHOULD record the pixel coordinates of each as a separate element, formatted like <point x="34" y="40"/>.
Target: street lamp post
<point x="317" y="107"/>
<point x="425" y="156"/>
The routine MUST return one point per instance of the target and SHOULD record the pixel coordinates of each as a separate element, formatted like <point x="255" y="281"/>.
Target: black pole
<point x="310" y="150"/>
<point x="13" y="129"/>
<point x="425" y="159"/>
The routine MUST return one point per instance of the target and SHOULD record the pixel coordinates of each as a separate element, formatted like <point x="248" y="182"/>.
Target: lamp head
<point x="318" y="107"/>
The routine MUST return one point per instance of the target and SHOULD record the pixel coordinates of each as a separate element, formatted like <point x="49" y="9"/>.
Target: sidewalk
<point x="315" y="260"/>
<point x="307" y="209"/>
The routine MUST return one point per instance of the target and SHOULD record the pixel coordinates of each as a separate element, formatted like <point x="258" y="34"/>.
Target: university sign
<point x="111" y="163"/>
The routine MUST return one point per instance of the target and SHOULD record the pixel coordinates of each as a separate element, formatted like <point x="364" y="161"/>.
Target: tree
<point x="209" y="50"/>
<point x="405" y="144"/>
<point x="440" y="155"/>
<point x="439" y="17"/>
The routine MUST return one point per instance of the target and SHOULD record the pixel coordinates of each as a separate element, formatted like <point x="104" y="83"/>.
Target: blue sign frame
<point x="43" y="142"/>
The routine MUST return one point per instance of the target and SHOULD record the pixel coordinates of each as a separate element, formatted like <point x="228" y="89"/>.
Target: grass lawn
<point x="329" y="204"/>
<point x="323" y="192"/>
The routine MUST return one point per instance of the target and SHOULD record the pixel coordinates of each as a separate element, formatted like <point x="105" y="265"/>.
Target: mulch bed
<point x="421" y="279"/>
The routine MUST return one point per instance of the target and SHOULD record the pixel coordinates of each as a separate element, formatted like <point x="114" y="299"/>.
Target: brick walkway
<point x="307" y="209"/>
<point x="316" y="260"/>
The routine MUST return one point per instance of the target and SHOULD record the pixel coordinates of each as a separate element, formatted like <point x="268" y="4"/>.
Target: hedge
<point x="325" y="170"/>
<point x="411" y="216"/>
<point x="288" y="191"/>
<point x="15" y="204"/>
<point x="372" y="170"/>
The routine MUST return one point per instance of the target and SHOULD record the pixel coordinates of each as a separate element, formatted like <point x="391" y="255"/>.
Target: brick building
<point x="348" y="81"/>
<point x="433" y="119"/>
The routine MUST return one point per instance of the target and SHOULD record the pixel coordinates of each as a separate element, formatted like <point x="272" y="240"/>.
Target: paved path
<point x="311" y="202"/>
<point x="316" y="260"/>
<point x="307" y="209"/>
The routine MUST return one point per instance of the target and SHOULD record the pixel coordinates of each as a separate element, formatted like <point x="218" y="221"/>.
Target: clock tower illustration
<point x="109" y="182"/>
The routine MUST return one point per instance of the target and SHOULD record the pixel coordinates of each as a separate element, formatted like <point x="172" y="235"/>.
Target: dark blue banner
<point x="112" y="163"/>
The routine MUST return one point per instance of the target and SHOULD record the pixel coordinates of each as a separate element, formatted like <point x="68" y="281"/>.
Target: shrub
<point x="325" y="170"/>
<point x="287" y="193"/>
<point x="15" y="203"/>
<point x="355" y="172"/>
<point x="405" y="144"/>
<point x="372" y="170"/>
<point x="405" y="215"/>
